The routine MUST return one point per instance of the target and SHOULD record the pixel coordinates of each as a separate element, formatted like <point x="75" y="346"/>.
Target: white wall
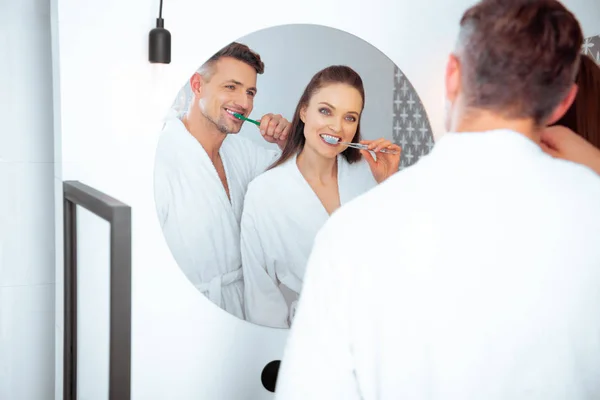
<point x="111" y="106"/>
<point x="288" y="69"/>
<point x="93" y="289"/>
<point x="26" y="202"/>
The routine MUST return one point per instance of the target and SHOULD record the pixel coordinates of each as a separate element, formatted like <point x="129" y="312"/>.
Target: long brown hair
<point x="583" y="117"/>
<point x="330" y="75"/>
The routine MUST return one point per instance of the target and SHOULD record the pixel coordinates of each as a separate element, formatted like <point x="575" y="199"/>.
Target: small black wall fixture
<point x="159" y="49"/>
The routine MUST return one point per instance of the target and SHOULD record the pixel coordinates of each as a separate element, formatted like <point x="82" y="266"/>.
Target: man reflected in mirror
<point x="202" y="170"/>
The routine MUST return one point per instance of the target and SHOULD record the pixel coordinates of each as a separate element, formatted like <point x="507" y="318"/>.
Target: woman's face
<point x="332" y="112"/>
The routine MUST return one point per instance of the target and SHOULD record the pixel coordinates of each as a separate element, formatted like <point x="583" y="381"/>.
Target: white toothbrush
<point x="332" y="140"/>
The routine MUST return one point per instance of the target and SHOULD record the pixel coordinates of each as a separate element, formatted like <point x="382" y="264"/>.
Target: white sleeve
<point x="318" y="362"/>
<point x="264" y="303"/>
<point x="162" y="193"/>
<point x="264" y="158"/>
<point x="258" y="157"/>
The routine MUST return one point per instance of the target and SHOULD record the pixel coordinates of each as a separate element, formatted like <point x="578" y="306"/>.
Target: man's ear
<point x="196" y="83"/>
<point x="452" y="80"/>
<point x="561" y="109"/>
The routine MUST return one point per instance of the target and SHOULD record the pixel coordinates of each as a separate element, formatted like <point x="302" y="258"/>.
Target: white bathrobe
<point x="282" y="215"/>
<point x="199" y="222"/>
<point x="475" y="274"/>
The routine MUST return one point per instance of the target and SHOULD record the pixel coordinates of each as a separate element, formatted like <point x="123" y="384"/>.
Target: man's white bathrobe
<point x="282" y="215"/>
<point x="199" y="222"/>
<point x="475" y="274"/>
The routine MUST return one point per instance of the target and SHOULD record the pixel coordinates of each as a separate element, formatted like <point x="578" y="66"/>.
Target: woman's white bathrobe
<point x="281" y="217"/>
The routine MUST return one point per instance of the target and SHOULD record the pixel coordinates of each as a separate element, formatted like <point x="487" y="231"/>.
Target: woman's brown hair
<point x="583" y="117"/>
<point x="330" y="75"/>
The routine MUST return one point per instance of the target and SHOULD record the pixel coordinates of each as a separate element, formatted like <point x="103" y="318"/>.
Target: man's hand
<point x="561" y="142"/>
<point x="275" y="129"/>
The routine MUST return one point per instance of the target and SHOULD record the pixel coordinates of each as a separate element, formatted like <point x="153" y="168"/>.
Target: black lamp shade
<point x="159" y="50"/>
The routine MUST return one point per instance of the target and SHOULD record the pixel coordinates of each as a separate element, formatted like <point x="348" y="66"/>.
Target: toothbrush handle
<point x="365" y="147"/>
<point x="240" y="116"/>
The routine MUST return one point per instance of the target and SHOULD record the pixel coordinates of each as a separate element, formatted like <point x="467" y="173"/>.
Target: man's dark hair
<point x="237" y="51"/>
<point x="518" y="58"/>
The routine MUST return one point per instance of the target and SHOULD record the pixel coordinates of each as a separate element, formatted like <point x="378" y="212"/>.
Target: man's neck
<point x="206" y="133"/>
<point x="481" y="121"/>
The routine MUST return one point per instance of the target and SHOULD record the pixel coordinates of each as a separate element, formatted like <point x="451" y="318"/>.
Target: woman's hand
<point x="561" y="142"/>
<point x="386" y="164"/>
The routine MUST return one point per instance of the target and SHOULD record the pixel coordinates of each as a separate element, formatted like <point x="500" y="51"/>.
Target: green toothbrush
<point x="240" y="116"/>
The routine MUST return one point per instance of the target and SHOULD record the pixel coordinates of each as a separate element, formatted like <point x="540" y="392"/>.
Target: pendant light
<point x="159" y="49"/>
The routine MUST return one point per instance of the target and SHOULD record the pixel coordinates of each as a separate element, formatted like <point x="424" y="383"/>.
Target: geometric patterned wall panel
<point x="591" y="47"/>
<point x="410" y="129"/>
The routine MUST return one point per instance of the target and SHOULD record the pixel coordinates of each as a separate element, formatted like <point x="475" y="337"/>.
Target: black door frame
<point x="118" y="216"/>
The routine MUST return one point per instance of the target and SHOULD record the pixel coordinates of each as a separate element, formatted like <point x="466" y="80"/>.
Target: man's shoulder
<point x="172" y="138"/>
<point x="574" y="177"/>
<point x="249" y="150"/>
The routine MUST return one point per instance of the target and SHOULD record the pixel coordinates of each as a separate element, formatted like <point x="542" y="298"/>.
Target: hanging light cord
<point x="160" y="10"/>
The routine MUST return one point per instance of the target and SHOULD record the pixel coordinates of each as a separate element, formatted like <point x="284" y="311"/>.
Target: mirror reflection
<point x="262" y="144"/>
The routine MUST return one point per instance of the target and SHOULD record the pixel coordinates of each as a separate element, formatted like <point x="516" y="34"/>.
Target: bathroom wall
<point x="109" y="104"/>
<point x="26" y="202"/>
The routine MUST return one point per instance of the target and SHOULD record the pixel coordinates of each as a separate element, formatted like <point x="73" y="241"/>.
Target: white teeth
<point x="231" y="112"/>
<point x="330" y="139"/>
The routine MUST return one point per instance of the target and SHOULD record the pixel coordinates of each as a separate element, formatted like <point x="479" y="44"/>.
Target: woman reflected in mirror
<point x="319" y="170"/>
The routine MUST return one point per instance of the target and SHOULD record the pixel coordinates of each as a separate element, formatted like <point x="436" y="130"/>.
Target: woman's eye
<point x="351" y="119"/>
<point x="324" y="111"/>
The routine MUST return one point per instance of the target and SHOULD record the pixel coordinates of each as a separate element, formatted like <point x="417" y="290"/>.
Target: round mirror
<point x="262" y="144"/>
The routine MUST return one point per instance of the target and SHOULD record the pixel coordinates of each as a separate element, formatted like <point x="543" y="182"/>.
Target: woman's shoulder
<point x="270" y="191"/>
<point x="271" y="180"/>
